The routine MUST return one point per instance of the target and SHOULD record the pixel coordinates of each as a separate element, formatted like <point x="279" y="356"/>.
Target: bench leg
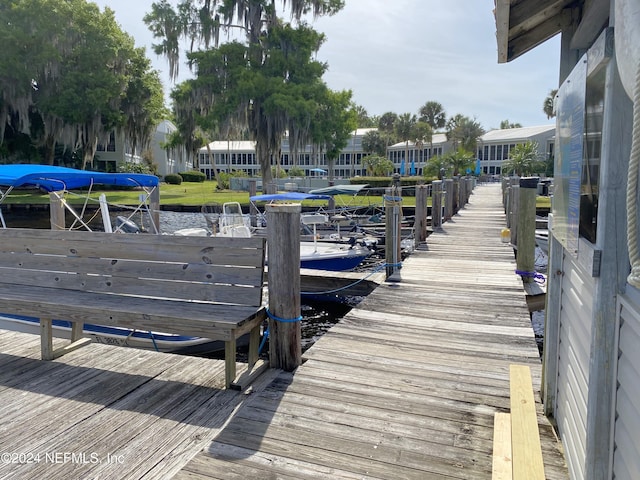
<point x="229" y="362"/>
<point x="46" y="339"/>
<point x="254" y="345"/>
<point x="76" y="331"/>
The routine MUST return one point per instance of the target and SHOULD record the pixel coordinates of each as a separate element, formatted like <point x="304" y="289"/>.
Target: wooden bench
<point x="517" y="453"/>
<point x="198" y="286"/>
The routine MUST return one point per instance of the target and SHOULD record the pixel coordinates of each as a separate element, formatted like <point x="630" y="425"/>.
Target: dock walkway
<point x="407" y="384"/>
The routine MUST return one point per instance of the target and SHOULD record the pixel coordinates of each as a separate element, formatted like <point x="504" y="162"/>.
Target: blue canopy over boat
<point x="50" y="178"/>
<point x="289" y="196"/>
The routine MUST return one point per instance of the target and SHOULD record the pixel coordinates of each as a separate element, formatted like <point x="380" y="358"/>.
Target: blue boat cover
<point x="289" y="196"/>
<point x="51" y="179"/>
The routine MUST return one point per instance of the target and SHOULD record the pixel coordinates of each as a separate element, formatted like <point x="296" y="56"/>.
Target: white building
<point x="417" y="157"/>
<point x="493" y="147"/>
<point x="230" y="155"/>
<point x="110" y="156"/>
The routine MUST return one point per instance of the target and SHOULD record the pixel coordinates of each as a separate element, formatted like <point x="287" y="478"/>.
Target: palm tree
<point x="460" y="160"/>
<point x="404" y="128"/>
<point x="504" y="124"/>
<point x="547" y="106"/>
<point x="422" y="133"/>
<point x="464" y="132"/>
<point x="524" y="159"/>
<point x="433" y="114"/>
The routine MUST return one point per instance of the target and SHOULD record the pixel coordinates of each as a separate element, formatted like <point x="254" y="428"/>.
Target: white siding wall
<point x="626" y="448"/>
<point x="573" y="363"/>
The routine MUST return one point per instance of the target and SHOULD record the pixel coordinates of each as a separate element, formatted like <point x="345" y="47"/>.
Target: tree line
<point x="69" y="77"/>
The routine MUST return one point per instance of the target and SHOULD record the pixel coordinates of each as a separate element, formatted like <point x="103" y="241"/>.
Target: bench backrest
<point x="203" y="269"/>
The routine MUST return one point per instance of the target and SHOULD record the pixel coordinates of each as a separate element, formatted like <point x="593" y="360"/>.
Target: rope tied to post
<point x="537" y="277"/>
<point x="282" y="320"/>
<point x="265" y="336"/>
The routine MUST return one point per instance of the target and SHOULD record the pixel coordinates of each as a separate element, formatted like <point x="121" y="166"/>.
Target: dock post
<point x="514" y="204"/>
<point x="436" y="204"/>
<point x="456" y="195"/>
<point x="462" y="192"/>
<point x="283" y="240"/>
<point x="253" y="210"/>
<point x="448" y="199"/>
<point x="393" y="220"/>
<point x="154" y="206"/>
<point x="56" y="212"/>
<point x="420" y="220"/>
<point x="525" y="258"/>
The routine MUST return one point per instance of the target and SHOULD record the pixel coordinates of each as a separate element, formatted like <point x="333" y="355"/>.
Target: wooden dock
<point x="105" y="412"/>
<point x="404" y="387"/>
<point x="407" y="384"/>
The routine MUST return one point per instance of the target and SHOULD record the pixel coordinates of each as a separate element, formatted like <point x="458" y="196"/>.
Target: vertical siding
<point x="626" y="448"/>
<point x="573" y="363"/>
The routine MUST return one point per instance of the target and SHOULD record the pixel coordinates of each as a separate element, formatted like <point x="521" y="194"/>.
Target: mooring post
<point x="448" y="199"/>
<point x="515" y="212"/>
<point x="393" y="223"/>
<point x="56" y="211"/>
<point x="462" y="184"/>
<point x="420" y="218"/>
<point x="253" y="210"/>
<point x="525" y="258"/>
<point x="283" y="241"/>
<point x="436" y="204"/>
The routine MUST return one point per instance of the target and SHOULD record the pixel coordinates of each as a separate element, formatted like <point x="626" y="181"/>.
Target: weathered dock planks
<point x="407" y="384"/>
<point x="105" y="412"/>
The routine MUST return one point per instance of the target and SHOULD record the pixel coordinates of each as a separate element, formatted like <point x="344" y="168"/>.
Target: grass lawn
<point x="194" y="194"/>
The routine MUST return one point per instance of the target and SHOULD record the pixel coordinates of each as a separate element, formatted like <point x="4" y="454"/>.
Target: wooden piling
<point x="283" y="242"/>
<point x="393" y="220"/>
<point x="56" y="211"/>
<point x="420" y="220"/>
<point x="448" y="199"/>
<point x="514" y="203"/>
<point x="154" y="206"/>
<point x="525" y="258"/>
<point x="436" y="204"/>
<point x="462" y="195"/>
<point x="253" y="210"/>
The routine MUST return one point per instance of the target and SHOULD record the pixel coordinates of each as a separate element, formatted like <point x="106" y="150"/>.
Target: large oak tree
<point x="69" y="75"/>
<point x="265" y="79"/>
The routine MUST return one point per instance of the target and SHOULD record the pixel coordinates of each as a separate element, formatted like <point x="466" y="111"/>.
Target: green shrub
<point x="173" y="179"/>
<point x="224" y="182"/>
<point x="193" y="176"/>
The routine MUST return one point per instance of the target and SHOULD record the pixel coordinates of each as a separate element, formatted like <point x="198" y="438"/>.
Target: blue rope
<point x="265" y="335"/>
<point x="153" y="339"/>
<point x="537" y="277"/>
<point x="282" y="320"/>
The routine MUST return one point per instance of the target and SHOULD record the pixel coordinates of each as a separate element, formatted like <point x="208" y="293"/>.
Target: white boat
<point x="332" y="256"/>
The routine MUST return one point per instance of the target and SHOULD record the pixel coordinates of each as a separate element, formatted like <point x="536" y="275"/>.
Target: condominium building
<point x="495" y="145"/>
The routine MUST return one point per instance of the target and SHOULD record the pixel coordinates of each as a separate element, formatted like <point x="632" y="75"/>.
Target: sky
<point x="396" y="55"/>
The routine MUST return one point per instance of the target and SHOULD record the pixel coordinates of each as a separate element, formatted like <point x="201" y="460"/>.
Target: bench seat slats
<point x="180" y="288"/>
<point x="174" y="248"/>
<point x="187" y="318"/>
